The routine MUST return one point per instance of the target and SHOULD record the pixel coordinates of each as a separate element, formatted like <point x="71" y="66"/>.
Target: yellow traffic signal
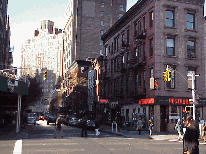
<point x="45" y="75"/>
<point x="165" y="76"/>
<point x="169" y="75"/>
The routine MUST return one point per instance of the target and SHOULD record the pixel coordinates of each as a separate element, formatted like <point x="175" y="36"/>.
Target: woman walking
<point x="190" y="140"/>
<point x="150" y="127"/>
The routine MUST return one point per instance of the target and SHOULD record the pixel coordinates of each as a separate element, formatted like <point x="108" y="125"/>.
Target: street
<point x="40" y="140"/>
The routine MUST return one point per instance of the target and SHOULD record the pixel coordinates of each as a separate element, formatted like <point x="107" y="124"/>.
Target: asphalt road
<point x="40" y="141"/>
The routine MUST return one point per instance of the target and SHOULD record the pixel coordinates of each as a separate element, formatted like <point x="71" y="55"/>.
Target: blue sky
<point x="25" y="17"/>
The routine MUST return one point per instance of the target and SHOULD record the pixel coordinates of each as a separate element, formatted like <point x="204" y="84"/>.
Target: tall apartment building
<point x="152" y="35"/>
<point x="42" y="53"/>
<point x="86" y="21"/>
<point x="6" y="59"/>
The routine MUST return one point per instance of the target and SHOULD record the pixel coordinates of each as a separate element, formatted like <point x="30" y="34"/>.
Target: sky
<point x="25" y="17"/>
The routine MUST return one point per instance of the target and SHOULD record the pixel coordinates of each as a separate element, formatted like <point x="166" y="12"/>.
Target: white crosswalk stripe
<point x="18" y="147"/>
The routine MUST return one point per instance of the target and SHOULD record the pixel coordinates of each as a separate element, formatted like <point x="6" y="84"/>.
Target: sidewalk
<point x="144" y="134"/>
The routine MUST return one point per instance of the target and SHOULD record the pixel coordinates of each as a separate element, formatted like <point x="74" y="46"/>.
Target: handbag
<point x="137" y="128"/>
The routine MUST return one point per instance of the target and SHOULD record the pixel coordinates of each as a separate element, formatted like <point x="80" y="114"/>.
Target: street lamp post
<point x="193" y="91"/>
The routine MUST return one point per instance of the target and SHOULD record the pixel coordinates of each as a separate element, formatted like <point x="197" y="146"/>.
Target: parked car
<point x="51" y="119"/>
<point x="73" y="121"/>
<point x="91" y="124"/>
<point x="31" y="120"/>
<point x="41" y="118"/>
<point x="79" y="123"/>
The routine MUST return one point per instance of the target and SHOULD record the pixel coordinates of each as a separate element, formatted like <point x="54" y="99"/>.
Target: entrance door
<point x="164" y="117"/>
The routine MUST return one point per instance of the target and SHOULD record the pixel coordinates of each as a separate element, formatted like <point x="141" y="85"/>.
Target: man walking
<point x="178" y="127"/>
<point x="58" y="127"/>
<point x="139" y="126"/>
<point x="97" y="125"/>
<point x="84" y="126"/>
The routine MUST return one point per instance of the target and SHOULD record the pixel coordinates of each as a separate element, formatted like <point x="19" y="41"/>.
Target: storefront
<point x="165" y="111"/>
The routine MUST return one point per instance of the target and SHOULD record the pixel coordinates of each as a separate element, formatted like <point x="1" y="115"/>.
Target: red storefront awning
<point x="146" y="101"/>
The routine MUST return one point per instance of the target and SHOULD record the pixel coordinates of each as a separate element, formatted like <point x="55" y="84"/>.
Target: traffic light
<point x="165" y="76"/>
<point x="45" y="75"/>
<point x="169" y="75"/>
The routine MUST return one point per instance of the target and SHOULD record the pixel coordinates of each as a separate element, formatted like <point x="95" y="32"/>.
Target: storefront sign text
<point x="146" y="101"/>
<point x="178" y="101"/>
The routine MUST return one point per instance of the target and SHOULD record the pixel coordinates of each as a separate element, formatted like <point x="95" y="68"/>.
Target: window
<point x="143" y="48"/>
<point x="139" y="25"/>
<point x="102" y="23"/>
<point x="101" y="52"/>
<point x="151" y="47"/>
<point x="151" y="73"/>
<point x="122" y="38"/>
<point x="170" y="50"/>
<point x="136" y="28"/>
<point x="112" y="48"/>
<point x="112" y="67"/>
<point x="151" y="19"/>
<point x="121" y="7"/>
<point x="101" y="42"/>
<point x="102" y="13"/>
<point x="191" y="49"/>
<point x="169" y="19"/>
<point x="171" y="84"/>
<point x="140" y="80"/>
<point x="127" y="36"/>
<point x="190" y="21"/>
<point x="102" y="4"/>
<point x="115" y="65"/>
<point x="144" y="25"/>
<point x="101" y="32"/>
<point x="120" y="15"/>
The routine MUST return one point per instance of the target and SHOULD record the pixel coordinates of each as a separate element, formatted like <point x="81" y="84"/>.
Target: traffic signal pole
<point x="193" y="91"/>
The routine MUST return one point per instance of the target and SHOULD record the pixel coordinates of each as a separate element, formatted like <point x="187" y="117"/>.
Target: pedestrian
<point x="150" y="127"/>
<point x="190" y="140"/>
<point x="139" y="126"/>
<point x="178" y="127"/>
<point x="84" y="126"/>
<point x="58" y="128"/>
<point x="97" y="125"/>
<point x="203" y="130"/>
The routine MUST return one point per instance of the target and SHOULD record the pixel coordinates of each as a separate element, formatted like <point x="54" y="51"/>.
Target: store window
<point x="173" y="114"/>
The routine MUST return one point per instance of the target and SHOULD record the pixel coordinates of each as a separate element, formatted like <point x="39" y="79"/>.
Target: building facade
<point x="155" y="35"/>
<point x="6" y="59"/>
<point x="86" y="21"/>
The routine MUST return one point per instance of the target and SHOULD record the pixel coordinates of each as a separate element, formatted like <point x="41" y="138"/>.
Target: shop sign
<point x="103" y="101"/>
<point x="146" y="101"/>
<point x="178" y="101"/>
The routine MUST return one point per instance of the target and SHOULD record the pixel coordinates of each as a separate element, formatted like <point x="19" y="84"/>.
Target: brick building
<point x="86" y="21"/>
<point x="152" y="35"/>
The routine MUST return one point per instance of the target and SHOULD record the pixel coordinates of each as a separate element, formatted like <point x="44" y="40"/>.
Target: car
<point x="41" y="118"/>
<point x="51" y="119"/>
<point x="79" y="123"/>
<point x="31" y="120"/>
<point x="91" y="124"/>
<point x="73" y="121"/>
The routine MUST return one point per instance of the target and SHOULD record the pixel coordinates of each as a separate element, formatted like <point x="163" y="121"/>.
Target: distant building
<point x="43" y="53"/>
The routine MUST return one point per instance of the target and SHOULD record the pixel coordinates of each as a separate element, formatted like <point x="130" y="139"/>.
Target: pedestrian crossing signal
<point x="45" y="75"/>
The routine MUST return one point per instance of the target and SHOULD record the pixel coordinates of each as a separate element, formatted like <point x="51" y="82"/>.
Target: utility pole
<point x="193" y="91"/>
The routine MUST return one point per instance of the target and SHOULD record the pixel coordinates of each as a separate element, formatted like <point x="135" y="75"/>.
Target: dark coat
<point x="151" y="125"/>
<point x="190" y="140"/>
<point x="97" y="123"/>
